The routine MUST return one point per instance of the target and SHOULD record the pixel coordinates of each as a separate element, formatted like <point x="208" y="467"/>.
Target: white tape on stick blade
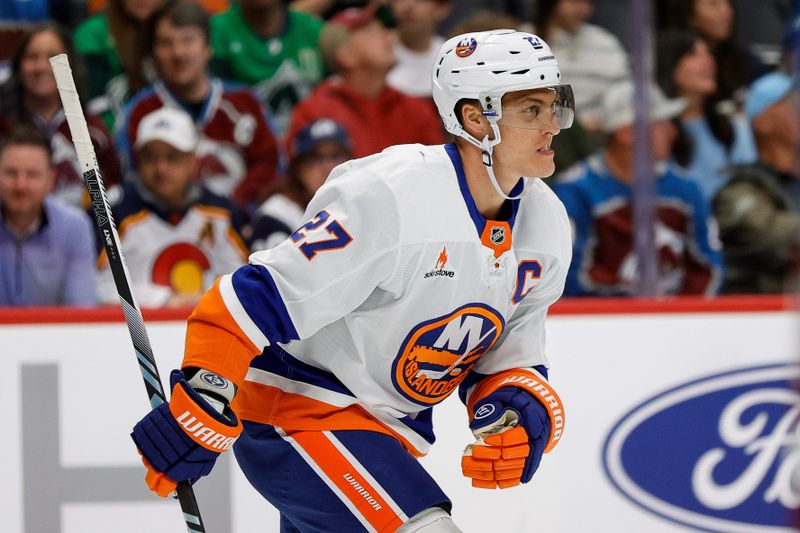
<point x="73" y="112"/>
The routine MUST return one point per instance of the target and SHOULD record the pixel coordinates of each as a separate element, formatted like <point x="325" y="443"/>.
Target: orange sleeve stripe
<point x="533" y="384"/>
<point x="215" y="341"/>
<point x="201" y="427"/>
<point x="367" y="501"/>
<point x="294" y="412"/>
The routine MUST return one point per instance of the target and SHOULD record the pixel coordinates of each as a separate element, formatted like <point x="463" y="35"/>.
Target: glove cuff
<point x="535" y="385"/>
<point x="207" y="430"/>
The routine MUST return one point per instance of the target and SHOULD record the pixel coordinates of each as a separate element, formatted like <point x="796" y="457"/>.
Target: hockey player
<point x="421" y="270"/>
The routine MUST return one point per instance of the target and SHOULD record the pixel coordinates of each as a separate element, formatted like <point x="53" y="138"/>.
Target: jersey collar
<point x="477" y="218"/>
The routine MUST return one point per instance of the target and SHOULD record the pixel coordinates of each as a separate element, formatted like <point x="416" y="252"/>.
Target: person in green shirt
<point x="115" y="46"/>
<point x="273" y="49"/>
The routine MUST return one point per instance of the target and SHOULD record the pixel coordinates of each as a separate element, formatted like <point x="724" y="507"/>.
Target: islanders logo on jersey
<point x="437" y="354"/>
<point x="466" y="46"/>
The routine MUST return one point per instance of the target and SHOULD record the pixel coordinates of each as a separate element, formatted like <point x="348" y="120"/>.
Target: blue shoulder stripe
<point x="259" y="296"/>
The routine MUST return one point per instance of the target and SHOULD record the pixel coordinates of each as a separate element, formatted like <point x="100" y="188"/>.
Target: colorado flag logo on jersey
<point x="437" y="354"/>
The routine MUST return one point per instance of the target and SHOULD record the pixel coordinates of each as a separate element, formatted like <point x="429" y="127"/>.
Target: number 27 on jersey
<point x="338" y="240"/>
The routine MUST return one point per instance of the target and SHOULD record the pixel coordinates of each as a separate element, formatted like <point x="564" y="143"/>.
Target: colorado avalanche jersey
<point x="601" y="212"/>
<point x="237" y="154"/>
<point x="173" y="252"/>
<point x="393" y="293"/>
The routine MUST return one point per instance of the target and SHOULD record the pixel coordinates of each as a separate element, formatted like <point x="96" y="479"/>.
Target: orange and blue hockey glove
<point x="182" y="439"/>
<point x="513" y="425"/>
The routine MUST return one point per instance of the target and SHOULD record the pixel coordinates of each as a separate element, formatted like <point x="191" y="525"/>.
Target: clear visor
<point x="539" y="109"/>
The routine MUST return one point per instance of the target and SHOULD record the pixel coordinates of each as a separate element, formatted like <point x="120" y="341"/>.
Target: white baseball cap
<point x="170" y="125"/>
<point x="618" y="106"/>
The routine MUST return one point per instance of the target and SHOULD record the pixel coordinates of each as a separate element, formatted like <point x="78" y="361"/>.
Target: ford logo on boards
<point x="719" y="454"/>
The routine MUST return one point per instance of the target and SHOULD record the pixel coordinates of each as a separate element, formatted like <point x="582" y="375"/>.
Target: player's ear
<point x="473" y="121"/>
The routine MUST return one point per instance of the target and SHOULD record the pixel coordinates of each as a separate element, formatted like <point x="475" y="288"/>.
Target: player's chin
<point x="543" y="166"/>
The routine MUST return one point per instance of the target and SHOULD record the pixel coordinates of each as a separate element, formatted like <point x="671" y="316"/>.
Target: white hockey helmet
<point x="484" y="66"/>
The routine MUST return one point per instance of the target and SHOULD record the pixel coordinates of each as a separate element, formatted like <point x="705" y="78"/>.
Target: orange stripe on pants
<point x="348" y="480"/>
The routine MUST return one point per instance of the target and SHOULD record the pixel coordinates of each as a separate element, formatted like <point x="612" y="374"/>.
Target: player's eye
<point x="534" y="111"/>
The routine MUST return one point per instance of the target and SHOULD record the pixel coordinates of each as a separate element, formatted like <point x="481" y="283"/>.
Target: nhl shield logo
<point x="498" y="235"/>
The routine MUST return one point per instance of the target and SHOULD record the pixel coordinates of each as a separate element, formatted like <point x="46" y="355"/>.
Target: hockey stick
<point x="108" y="231"/>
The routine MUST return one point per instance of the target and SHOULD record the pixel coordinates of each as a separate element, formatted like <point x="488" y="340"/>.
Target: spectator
<point x="417" y="43"/>
<point x="30" y="98"/>
<point x="46" y="252"/>
<point x="317" y="149"/>
<point x="716" y="138"/>
<point x="115" y="46"/>
<point x="359" y="50"/>
<point x="597" y="195"/>
<point x="472" y="11"/>
<point x="484" y="20"/>
<point x="178" y="236"/>
<point x="238" y="155"/>
<point x="715" y="21"/>
<point x="274" y="49"/>
<point x="590" y="58"/>
<point x="759" y="208"/>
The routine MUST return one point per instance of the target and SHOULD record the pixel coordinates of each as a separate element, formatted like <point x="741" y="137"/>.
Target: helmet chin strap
<point x="486" y="147"/>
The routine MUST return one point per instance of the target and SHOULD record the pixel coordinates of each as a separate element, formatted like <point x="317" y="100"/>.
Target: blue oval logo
<point x="720" y="453"/>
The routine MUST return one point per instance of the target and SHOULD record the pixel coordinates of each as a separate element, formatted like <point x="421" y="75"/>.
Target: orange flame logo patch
<point x="442" y="261"/>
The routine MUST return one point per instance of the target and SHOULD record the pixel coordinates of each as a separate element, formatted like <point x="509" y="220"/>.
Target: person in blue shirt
<point x="718" y="135"/>
<point x="597" y="195"/>
<point x="47" y="255"/>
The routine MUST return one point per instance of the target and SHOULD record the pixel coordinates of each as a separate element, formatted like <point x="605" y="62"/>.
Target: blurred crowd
<point x="215" y="121"/>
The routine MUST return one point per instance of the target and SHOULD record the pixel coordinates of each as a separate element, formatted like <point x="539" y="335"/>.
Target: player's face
<point x="166" y="171"/>
<point x="26" y="178"/>
<point x="713" y="19"/>
<point x="35" y="73"/>
<point x="181" y="54"/>
<point x="525" y="150"/>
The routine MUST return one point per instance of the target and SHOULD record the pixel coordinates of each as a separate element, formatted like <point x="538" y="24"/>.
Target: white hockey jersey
<point x="386" y="300"/>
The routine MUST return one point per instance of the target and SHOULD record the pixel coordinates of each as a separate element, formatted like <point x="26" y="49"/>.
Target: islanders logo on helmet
<point x="466" y="46"/>
<point x="437" y="354"/>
